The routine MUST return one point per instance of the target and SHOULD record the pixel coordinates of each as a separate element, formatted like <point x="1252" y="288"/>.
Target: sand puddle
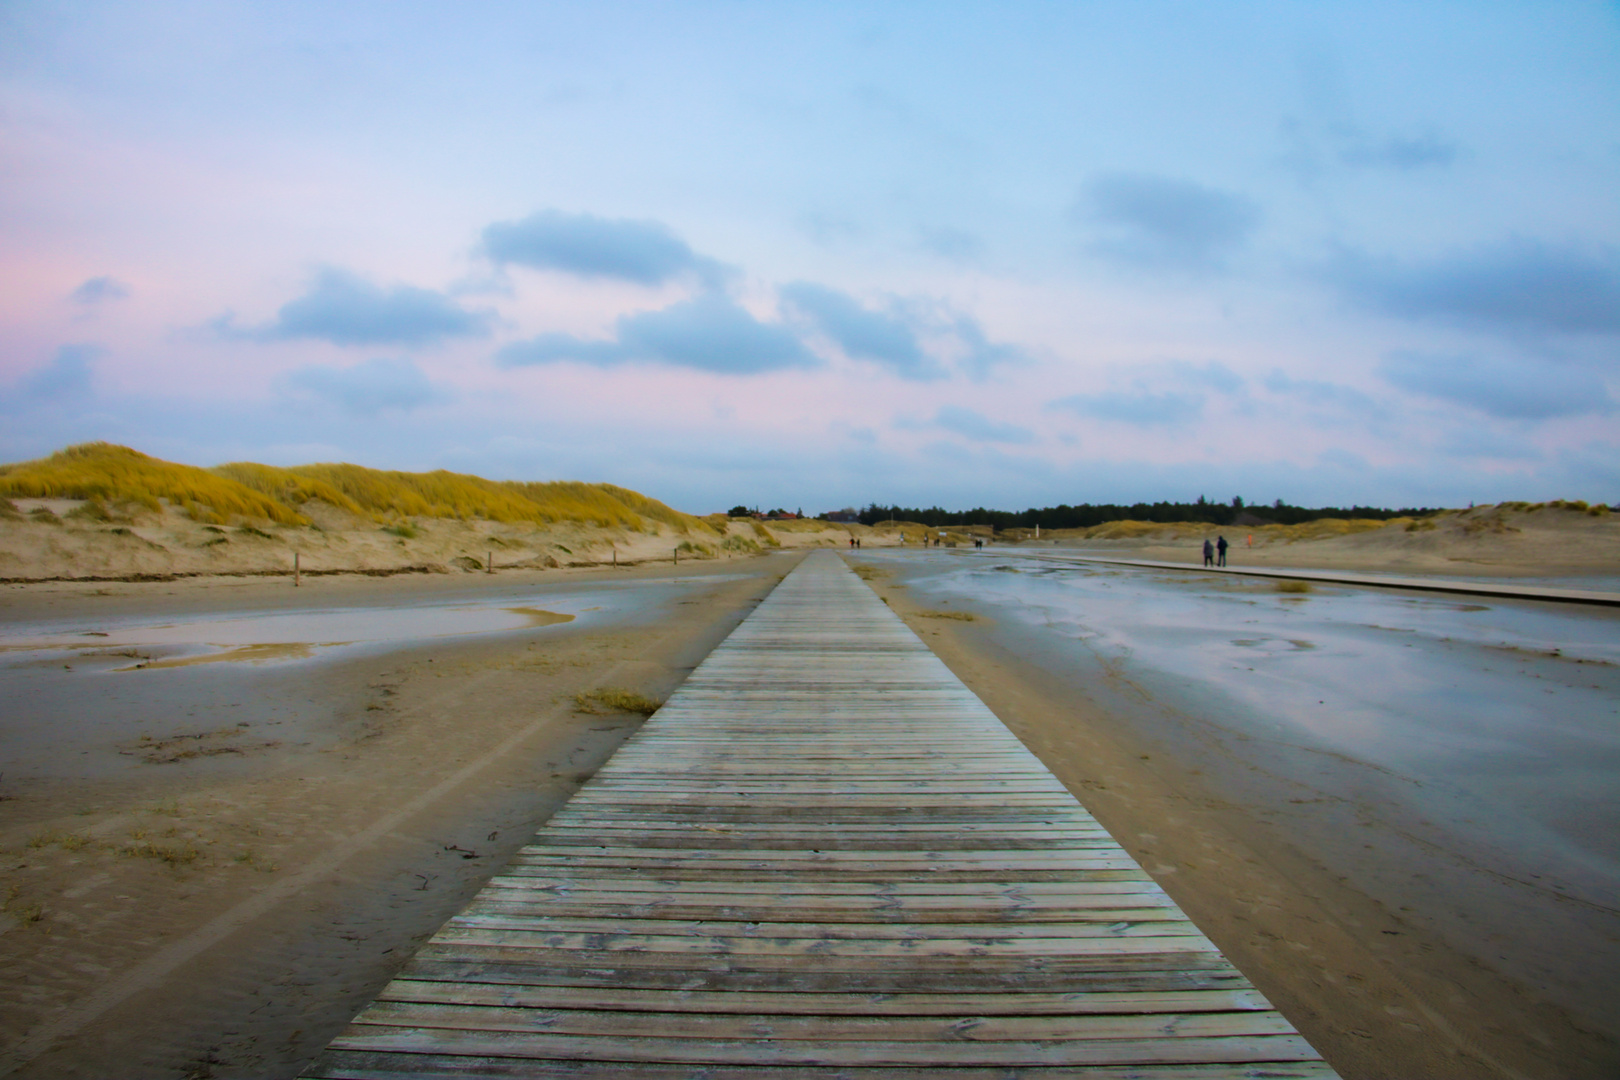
<point x="280" y="636"/>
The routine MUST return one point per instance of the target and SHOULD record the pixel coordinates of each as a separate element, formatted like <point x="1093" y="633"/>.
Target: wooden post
<point x="677" y="556"/>
<point x="490" y="564"/>
<point x="615" y="556"/>
<point x="295" y="570"/>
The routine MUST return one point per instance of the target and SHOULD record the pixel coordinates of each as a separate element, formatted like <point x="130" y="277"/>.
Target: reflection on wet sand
<point x="251" y="654"/>
<point x="1456" y="761"/>
<point x="282" y="636"/>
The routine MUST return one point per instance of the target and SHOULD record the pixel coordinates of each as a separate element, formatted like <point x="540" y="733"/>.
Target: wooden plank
<point x="523" y="917"/>
<point x="1214" y="974"/>
<point x="892" y="1028"/>
<point x="793" y="1004"/>
<point x="374" y="1065"/>
<point x="807" y="1052"/>
<point x="823" y="857"/>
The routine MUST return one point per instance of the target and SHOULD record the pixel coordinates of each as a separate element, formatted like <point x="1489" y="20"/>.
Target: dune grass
<point x="612" y="699"/>
<point x="117" y="475"/>
<point x="108" y="475"/>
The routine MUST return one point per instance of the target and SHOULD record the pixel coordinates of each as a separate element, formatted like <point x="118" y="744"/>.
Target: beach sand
<point x="1494" y="541"/>
<point x="226" y="916"/>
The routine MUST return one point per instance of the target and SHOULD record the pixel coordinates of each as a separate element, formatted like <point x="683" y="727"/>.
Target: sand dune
<point x="1511" y="539"/>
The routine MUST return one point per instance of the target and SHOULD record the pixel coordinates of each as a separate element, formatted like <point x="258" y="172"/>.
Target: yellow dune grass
<point x="119" y="475"/>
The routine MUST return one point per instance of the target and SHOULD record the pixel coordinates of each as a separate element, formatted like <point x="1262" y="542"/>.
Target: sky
<point x="805" y="255"/>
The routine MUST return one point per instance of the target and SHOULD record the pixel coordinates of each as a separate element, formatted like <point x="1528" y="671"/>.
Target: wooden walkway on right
<point x="1500" y="589"/>
<point x="824" y="857"/>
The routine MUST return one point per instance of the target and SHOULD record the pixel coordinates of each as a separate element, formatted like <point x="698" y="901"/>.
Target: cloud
<point x="955" y="245"/>
<point x="1148" y="402"/>
<point x="915" y="339"/>
<point x="65" y="379"/>
<point x="1142" y="408"/>
<point x="976" y="425"/>
<point x="1160" y="222"/>
<point x="644" y="252"/>
<point x="1403" y="153"/>
<point x="1509" y="391"/>
<point x="708" y="333"/>
<point x="829" y="229"/>
<point x="862" y="334"/>
<point x="1473" y="441"/>
<point x="347" y="310"/>
<point x="551" y="348"/>
<point x="1322" y="394"/>
<point x="1212" y="375"/>
<point x="1311" y="148"/>
<point x="368" y="388"/>
<point x="977" y="353"/>
<point x="98" y="290"/>
<point x="1520" y="285"/>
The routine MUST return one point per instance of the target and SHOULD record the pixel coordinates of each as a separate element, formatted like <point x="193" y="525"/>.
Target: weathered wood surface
<point x="823" y="857"/>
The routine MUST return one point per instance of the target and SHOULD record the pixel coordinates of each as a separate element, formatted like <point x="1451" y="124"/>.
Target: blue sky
<point x="1001" y="254"/>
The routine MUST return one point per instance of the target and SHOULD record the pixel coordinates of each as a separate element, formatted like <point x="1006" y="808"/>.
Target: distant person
<point x="1209" y="553"/>
<point x="1221" y="546"/>
<point x="852" y="543"/>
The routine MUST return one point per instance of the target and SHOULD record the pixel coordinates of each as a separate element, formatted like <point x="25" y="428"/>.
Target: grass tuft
<point x="611" y="699"/>
<point x="65" y="841"/>
<point x="90" y="510"/>
<point x="23" y="913"/>
<point x="173" y="854"/>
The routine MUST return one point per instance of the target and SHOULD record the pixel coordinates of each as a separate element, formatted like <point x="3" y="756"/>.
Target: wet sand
<point x="225" y="914"/>
<point x="1344" y="880"/>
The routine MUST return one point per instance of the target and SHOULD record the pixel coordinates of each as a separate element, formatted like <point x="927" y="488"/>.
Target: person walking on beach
<point x="1221" y="546"/>
<point x="1209" y="553"/>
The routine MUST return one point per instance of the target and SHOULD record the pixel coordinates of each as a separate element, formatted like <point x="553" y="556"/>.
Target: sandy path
<point x="292" y="890"/>
<point x="1379" y="995"/>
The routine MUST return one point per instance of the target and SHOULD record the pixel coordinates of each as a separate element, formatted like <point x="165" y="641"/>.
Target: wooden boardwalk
<point x="824" y="857"/>
<point x="1503" y="590"/>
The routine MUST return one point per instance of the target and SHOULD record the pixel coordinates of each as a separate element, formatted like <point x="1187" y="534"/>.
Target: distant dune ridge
<point x="100" y="511"/>
<point x="103" y="511"/>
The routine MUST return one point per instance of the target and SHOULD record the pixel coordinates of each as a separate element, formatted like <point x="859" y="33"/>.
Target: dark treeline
<point x="1086" y="515"/>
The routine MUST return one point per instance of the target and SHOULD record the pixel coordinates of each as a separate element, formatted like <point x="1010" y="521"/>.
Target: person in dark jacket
<point x="1221" y="546"/>
<point x="1209" y="553"/>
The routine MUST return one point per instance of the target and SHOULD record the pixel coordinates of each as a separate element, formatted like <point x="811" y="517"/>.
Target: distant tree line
<point x="1086" y="515"/>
